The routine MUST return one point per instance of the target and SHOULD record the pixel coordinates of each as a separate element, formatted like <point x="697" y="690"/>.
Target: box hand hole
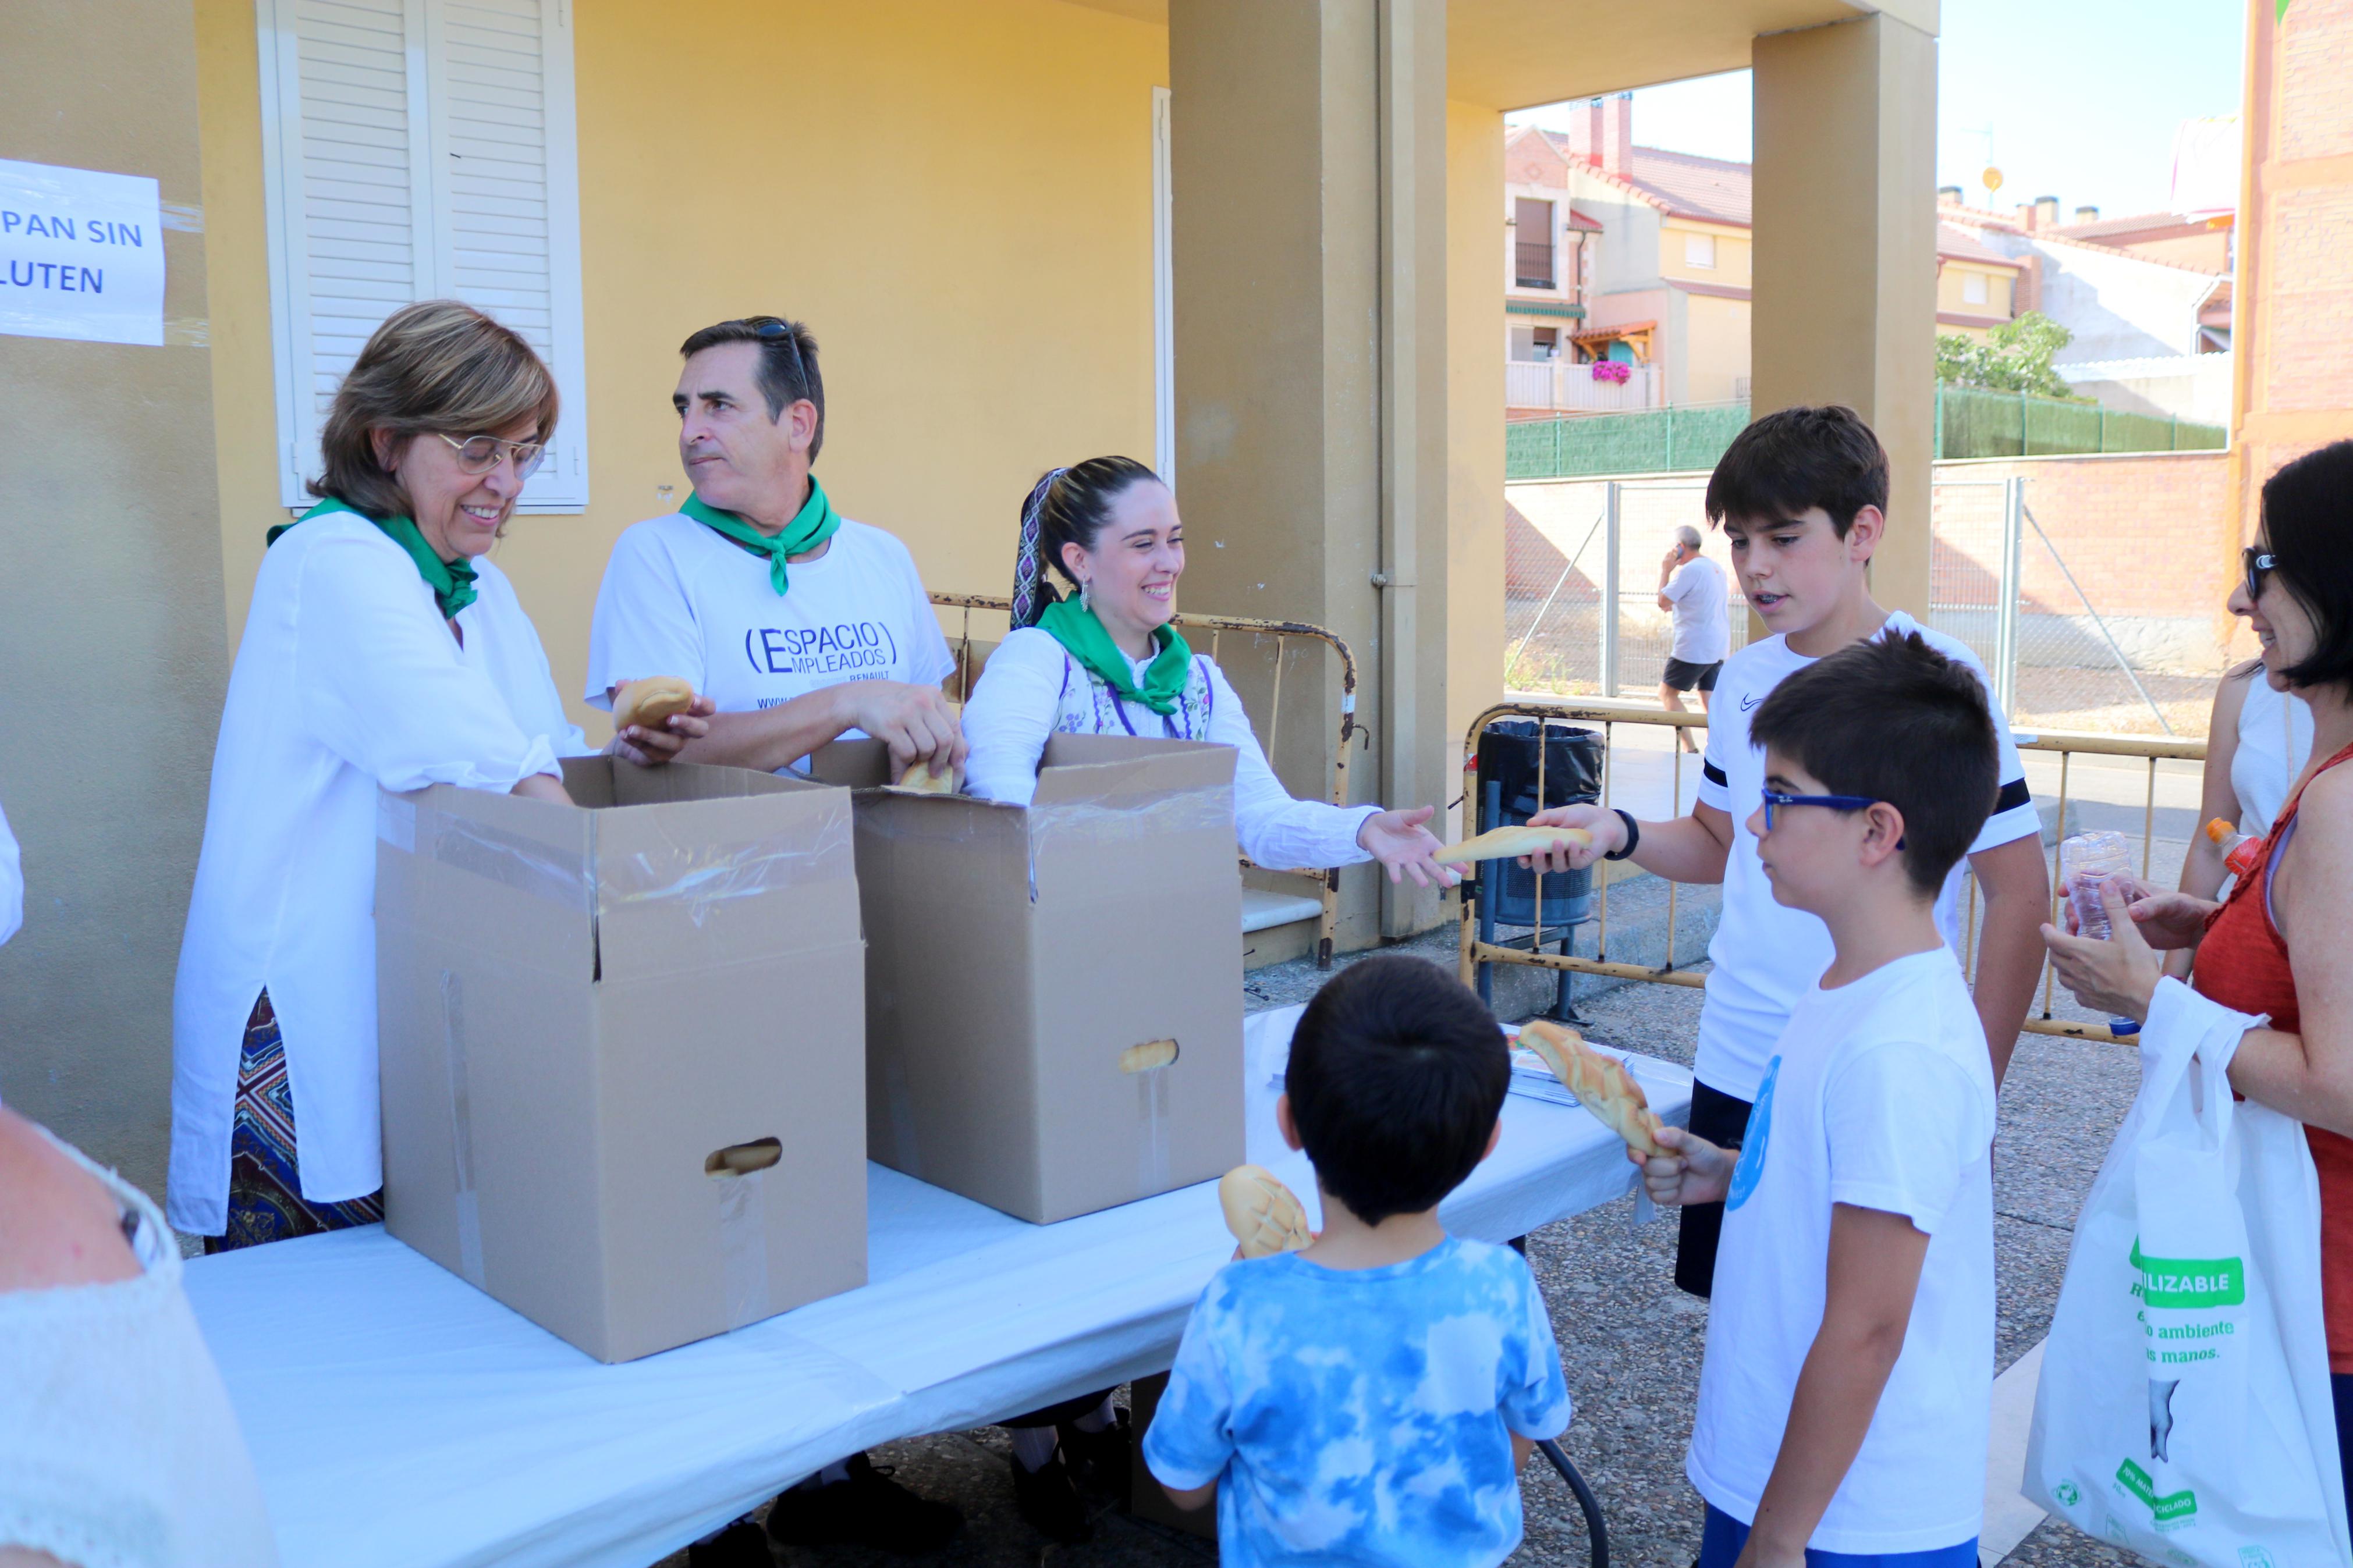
<point x="743" y="1159"/>
<point x="1147" y="1057"/>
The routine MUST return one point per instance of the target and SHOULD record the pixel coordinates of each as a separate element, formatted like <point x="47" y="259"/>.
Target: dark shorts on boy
<point x="1686" y="677"/>
<point x="1722" y="1120"/>
<point x="1722" y="1536"/>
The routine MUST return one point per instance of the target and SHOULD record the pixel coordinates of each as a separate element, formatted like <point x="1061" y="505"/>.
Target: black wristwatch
<point x="1633" y="834"/>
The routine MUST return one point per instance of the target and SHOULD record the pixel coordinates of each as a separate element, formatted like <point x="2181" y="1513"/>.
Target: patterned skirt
<point x="264" y="1194"/>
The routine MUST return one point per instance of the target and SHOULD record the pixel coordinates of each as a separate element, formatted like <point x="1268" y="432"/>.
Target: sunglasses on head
<point x="2259" y="566"/>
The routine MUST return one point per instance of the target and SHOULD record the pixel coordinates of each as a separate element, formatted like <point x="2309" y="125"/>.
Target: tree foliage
<point x="2014" y="357"/>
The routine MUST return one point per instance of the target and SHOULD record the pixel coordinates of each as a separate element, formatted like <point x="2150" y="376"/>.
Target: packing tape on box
<point x="704" y="876"/>
<point x="461" y="1130"/>
<point x="1091" y="823"/>
<point x="743" y="1246"/>
<point x="544" y="871"/>
<point x="1151" y="1145"/>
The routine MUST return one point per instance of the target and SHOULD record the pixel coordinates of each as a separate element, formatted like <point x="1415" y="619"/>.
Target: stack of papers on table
<point x="1534" y="1080"/>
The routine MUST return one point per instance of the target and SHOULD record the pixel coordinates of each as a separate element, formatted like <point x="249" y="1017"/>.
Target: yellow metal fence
<point x="1607" y="716"/>
<point x="971" y="655"/>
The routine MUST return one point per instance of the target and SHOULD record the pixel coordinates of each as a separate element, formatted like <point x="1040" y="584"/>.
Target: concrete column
<point x="1845" y="259"/>
<point x="109" y="507"/>
<point x="1308" y="166"/>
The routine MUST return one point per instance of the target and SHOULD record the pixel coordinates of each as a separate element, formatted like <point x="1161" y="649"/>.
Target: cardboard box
<point x="620" y="1048"/>
<point x="1054" y="993"/>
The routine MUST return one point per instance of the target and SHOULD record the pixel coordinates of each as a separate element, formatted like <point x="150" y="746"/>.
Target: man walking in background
<point x="1691" y="589"/>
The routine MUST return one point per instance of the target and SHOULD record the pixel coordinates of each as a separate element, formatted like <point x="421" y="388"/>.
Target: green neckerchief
<point x="815" y="525"/>
<point x="452" y="582"/>
<point x="1077" y="629"/>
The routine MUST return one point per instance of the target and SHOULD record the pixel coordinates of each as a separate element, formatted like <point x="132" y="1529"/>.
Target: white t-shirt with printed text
<point x="1837" y="1120"/>
<point x="1763" y="954"/>
<point x="681" y="599"/>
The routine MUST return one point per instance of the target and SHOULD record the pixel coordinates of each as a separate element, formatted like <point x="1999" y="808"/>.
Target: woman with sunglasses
<point x="2282" y="943"/>
<point x="380" y="650"/>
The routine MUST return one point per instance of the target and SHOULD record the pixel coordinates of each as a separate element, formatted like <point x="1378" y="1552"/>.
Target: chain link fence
<point x="2084" y="617"/>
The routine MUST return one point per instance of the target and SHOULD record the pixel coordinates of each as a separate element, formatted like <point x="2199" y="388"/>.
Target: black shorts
<point x="1684" y="676"/>
<point x="1722" y="1120"/>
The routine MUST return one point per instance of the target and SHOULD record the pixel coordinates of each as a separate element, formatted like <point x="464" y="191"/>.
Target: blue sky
<point x="2081" y="97"/>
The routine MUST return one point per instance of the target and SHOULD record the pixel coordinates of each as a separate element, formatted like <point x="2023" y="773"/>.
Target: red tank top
<point x="2243" y="965"/>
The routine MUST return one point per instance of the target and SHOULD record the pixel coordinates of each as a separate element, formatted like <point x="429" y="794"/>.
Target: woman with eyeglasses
<point x="381" y="649"/>
<point x="2282" y="943"/>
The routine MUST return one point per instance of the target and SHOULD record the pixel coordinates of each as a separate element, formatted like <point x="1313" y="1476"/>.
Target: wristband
<point x="1633" y="834"/>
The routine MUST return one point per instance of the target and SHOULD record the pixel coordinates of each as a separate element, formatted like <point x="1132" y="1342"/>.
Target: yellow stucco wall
<point x="1474" y="421"/>
<point x="1716" y="333"/>
<point x="1952" y="291"/>
<point x="957" y="197"/>
<point x="1731" y="268"/>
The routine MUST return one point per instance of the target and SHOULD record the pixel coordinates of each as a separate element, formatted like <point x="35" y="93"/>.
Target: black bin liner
<point x="1572" y="775"/>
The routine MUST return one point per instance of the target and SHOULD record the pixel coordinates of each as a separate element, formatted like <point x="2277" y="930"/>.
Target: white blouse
<point x="118" y="1443"/>
<point x="347" y="678"/>
<point x="2274" y="743"/>
<point x="1019" y="701"/>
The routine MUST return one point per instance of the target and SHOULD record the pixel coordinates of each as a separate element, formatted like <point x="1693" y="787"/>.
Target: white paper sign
<point x="81" y="255"/>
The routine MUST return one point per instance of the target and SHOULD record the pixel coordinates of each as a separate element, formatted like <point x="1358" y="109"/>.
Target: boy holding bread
<point x="1844" y="1400"/>
<point x="1370" y="1400"/>
<point x="1801" y="495"/>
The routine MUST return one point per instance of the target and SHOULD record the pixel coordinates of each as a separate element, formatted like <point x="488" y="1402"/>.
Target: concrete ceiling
<point x="1515" y="54"/>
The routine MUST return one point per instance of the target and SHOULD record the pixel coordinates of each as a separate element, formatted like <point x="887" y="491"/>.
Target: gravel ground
<point x="1630" y="1343"/>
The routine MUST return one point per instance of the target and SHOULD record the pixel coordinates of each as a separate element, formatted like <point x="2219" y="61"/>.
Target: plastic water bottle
<point x="2241" y="852"/>
<point x="2086" y="862"/>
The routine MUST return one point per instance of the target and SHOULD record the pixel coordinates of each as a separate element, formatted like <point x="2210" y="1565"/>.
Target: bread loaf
<point x="1264" y="1215"/>
<point x="1510" y="844"/>
<point x="921" y="779"/>
<point x="651" y="702"/>
<point x="1601" y="1084"/>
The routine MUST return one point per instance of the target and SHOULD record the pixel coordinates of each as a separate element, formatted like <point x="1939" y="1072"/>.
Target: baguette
<point x="1510" y="844"/>
<point x="651" y="702"/>
<point x="1601" y="1084"/>
<point x="1264" y="1215"/>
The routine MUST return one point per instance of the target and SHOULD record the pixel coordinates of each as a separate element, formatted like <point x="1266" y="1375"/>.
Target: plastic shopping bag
<point x="2184" y="1410"/>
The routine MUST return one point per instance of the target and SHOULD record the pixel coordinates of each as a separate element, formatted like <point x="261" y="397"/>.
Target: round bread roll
<point x="920" y="779"/>
<point x="1265" y="1216"/>
<point x="651" y="702"/>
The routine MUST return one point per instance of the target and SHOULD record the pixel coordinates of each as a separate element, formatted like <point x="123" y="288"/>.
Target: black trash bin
<point x="1507" y="787"/>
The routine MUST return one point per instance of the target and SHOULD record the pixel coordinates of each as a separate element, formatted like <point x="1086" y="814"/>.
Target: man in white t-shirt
<point x="799" y="627"/>
<point x="798" y="624"/>
<point x="1802" y="494"/>
<point x="1690" y="590"/>
<point x="1844" y="1400"/>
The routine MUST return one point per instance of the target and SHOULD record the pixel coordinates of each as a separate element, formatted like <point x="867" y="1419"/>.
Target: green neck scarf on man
<point x="452" y="582"/>
<point x="1076" y="627"/>
<point x="817" y="522"/>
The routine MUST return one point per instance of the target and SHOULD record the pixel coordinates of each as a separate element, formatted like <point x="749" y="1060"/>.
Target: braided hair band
<point x="1031" y="591"/>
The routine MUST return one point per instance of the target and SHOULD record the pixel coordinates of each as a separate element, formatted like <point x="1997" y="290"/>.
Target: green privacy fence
<point x="1969" y="423"/>
<point x="1973" y="423"/>
<point x="1655" y="440"/>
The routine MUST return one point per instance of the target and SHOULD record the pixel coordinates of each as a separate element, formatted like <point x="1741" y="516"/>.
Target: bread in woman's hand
<point x="1601" y="1084"/>
<point x="651" y="702"/>
<point x="921" y="779"/>
<point x="1264" y="1215"/>
<point x="1510" y="844"/>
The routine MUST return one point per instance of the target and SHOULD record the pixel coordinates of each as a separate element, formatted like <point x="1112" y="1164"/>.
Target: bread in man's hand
<point x="651" y="702"/>
<point x="1601" y="1084"/>
<point x="1264" y="1215"/>
<point x="921" y="779"/>
<point x="1510" y="844"/>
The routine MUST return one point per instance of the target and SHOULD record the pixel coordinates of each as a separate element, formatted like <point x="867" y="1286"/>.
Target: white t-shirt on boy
<point x="681" y="599"/>
<point x="1763" y="954"/>
<point x="1837" y="1122"/>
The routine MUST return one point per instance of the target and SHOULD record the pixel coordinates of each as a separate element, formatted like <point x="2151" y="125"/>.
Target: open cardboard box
<point x="1053" y="993"/>
<point x="620" y="1048"/>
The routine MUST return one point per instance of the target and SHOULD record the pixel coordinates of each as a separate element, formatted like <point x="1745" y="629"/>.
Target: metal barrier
<point x="1327" y="879"/>
<point x="1608" y="715"/>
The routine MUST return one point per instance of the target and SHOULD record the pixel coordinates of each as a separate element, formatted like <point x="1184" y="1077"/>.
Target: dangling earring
<point x="1087" y="596"/>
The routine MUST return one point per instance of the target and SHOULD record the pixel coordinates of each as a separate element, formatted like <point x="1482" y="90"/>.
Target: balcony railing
<point x="1532" y="263"/>
<point x="1562" y="384"/>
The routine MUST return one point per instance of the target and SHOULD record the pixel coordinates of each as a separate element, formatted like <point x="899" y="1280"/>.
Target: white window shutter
<point x="413" y="150"/>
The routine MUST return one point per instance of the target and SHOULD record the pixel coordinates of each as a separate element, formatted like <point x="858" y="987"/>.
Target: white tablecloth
<point x="400" y="1417"/>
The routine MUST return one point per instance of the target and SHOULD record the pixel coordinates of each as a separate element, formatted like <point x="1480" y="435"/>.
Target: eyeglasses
<point x="1774" y="801"/>
<point x="480" y="453"/>
<point x="2259" y="566"/>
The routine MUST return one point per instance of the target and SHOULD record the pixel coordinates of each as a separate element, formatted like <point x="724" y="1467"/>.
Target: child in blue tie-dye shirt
<point x="1370" y="1400"/>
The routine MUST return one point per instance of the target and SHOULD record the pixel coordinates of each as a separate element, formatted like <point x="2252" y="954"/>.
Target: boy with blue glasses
<point x="1802" y="496"/>
<point x="1843" y="1402"/>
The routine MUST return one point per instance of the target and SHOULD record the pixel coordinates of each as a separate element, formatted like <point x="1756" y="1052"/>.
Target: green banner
<point x="2190" y="1281"/>
<point x="2172" y="1506"/>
